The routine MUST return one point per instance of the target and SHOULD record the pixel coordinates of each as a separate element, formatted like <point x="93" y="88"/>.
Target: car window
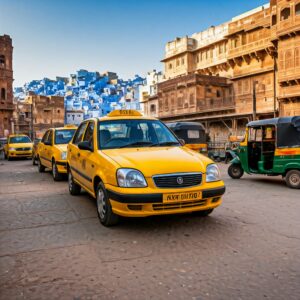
<point x="19" y="139"/>
<point x="44" y="138"/>
<point x="50" y="137"/>
<point x="88" y="136"/>
<point x="79" y="133"/>
<point x="134" y="133"/>
<point x="63" y="136"/>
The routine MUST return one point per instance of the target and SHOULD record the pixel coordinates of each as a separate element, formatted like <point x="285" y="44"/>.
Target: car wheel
<point x="292" y="179"/>
<point x="235" y="171"/>
<point x="41" y="168"/>
<point x="104" y="209"/>
<point x="74" y="188"/>
<point x="8" y="157"/>
<point x="204" y="213"/>
<point x="55" y="174"/>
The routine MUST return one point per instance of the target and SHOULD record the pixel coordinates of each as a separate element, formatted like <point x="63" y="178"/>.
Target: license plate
<point x="177" y="197"/>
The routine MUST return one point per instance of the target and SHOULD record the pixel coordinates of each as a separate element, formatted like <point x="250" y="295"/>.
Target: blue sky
<point x="125" y="36"/>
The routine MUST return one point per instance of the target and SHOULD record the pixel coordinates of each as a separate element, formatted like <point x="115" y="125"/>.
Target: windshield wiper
<point x="170" y="143"/>
<point x="141" y="143"/>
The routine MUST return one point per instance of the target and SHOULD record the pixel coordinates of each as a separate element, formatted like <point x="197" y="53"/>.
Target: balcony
<point x="178" y="46"/>
<point x="253" y="47"/>
<point x="6" y="106"/>
<point x="215" y="104"/>
<point x="289" y="74"/>
<point x="288" y="26"/>
<point x="289" y="92"/>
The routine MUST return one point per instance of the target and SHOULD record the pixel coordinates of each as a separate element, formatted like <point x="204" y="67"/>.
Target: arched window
<point x="2" y="61"/>
<point x="285" y="14"/>
<point x="153" y="108"/>
<point x="3" y="94"/>
<point x="297" y="9"/>
<point x="274" y="20"/>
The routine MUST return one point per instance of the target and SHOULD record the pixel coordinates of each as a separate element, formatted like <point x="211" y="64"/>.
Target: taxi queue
<point x="134" y="166"/>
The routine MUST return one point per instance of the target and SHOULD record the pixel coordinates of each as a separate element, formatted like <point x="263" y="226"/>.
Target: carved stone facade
<point x="6" y="83"/>
<point x="37" y="114"/>
<point x="259" y="52"/>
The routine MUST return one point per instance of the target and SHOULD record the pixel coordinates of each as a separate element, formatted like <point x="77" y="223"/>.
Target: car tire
<point x="292" y="179"/>
<point x="74" y="188"/>
<point x="41" y="168"/>
<point x="204" y="213"/>
<point x="33" y="161"/>
<point x="235" y="171"/>
<point x="8" y="157"/>
<point x="104" y="209"/>
<point x="55" y="174"/>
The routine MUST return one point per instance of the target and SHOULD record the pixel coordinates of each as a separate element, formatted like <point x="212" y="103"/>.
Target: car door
<point x="47" y="153"/>
<point x="74" y="152"/>
<point x="41" y="147"/>
<point x="86" y="158"/>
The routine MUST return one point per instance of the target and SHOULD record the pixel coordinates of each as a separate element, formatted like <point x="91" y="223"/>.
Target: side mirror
<point x="182" y="142"/>
<point x="85" y="146"/>
<point x="47" y="143"/>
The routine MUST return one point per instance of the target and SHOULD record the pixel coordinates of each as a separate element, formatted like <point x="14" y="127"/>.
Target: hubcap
<point x="295" y="179"/>
<point x="236" y="171"/>
<point x="101" y="205"/>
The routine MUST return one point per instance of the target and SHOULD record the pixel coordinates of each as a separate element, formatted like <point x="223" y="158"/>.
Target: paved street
<point x="52" y="245"/>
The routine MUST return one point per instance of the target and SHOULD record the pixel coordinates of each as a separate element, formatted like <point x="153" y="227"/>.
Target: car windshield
<point x="19" y="139"/>
<point x="63" y="136"/>
<point x="134" y="134"/>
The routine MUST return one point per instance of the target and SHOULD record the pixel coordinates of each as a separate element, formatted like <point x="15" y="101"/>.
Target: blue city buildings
<point x="87" y="94"/>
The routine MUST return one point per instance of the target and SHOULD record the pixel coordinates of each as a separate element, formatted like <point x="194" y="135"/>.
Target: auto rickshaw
<point x="193" y="133"/>
<point x="270" y="147"/>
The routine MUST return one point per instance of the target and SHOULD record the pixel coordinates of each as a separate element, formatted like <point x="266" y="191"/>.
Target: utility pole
<point x="254" y="99"/>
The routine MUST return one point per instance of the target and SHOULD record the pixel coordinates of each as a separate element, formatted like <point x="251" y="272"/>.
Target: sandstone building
<point x="216" y="76"/>
<point x="38" y="113"/>
<point x="6" y="82"/>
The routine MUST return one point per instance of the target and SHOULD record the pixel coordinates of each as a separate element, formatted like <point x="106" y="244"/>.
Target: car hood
<point x="153" y="161"/>
<point x="62" y="147"/>
<point x="20" y="145"/>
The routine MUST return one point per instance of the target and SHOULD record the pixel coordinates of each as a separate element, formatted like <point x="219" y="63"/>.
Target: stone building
<point x="257" y="54"/>
<point x="38" y="113"/>
<point x="6" y="82"/>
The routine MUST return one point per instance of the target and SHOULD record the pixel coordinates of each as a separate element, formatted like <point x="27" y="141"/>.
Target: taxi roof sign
<point x="124" y="113"/>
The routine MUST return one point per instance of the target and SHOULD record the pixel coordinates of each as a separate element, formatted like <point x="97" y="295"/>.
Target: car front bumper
<point x="15" y="153"/>
<point x="61" y="166"/>
<point x="148" y="204"/>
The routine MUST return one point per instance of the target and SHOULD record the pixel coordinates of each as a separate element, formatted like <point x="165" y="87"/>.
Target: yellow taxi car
<point x="135" y="167"/>
<point x="18" y="145"/>
<point x="52" y="150"/>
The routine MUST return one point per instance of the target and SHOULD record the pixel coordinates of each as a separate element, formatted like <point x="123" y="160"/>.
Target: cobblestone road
<point x="53" y="247"/>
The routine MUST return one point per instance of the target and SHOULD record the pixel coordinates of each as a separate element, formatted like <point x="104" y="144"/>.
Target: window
<point x="289" y="59"/>
<point x="63" y="136"/>
<point x="297" y="9"/>
<point x="285" y="14"/>
<point x="2" y="61"/>
<point x="153" y="108"/>
<point x="297" y="57"/>
<point x="274" y="20"/>
<point x="170" y="66"/>
<point x="177" y="62"/>
<point x="79" y="133"/>
<point x="88" y="136"/>
<point x="45" y="136"/>
<point x="192" y="99"/>
<point x="50" y="137"/>
<point x="182" y="61"/>
<point x="3" y="94"/>
<point x="218" y="93"/>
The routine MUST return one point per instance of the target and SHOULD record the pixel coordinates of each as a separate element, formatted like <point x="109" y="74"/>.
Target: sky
<point x="57" y="38"/>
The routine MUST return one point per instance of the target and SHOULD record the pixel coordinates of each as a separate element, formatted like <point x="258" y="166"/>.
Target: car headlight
<point x="63" y="155"/>
<point x="212" y="173"/>
<point x="12" y="149"/>
<point x="131" y="178"/>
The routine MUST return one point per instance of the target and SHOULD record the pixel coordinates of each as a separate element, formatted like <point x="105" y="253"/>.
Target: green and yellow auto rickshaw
<point x="270" y="147"/>
<point x="193" y="134"/>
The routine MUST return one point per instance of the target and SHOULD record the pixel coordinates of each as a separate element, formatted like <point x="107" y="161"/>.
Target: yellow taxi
<point x="18" y="145"/>
<point x="136" y="167"/>
<point x="52" y="150"/>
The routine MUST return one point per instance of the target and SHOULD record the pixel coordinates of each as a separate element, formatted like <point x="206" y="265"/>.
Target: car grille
<point x="179" y="180"/>
<point x="23" y="149"/>
<point x="176" y="205"/>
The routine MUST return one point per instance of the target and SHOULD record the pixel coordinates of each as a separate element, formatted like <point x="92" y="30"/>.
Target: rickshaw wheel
<point x="292" y="179"/>
<point x="235" y="171"/>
